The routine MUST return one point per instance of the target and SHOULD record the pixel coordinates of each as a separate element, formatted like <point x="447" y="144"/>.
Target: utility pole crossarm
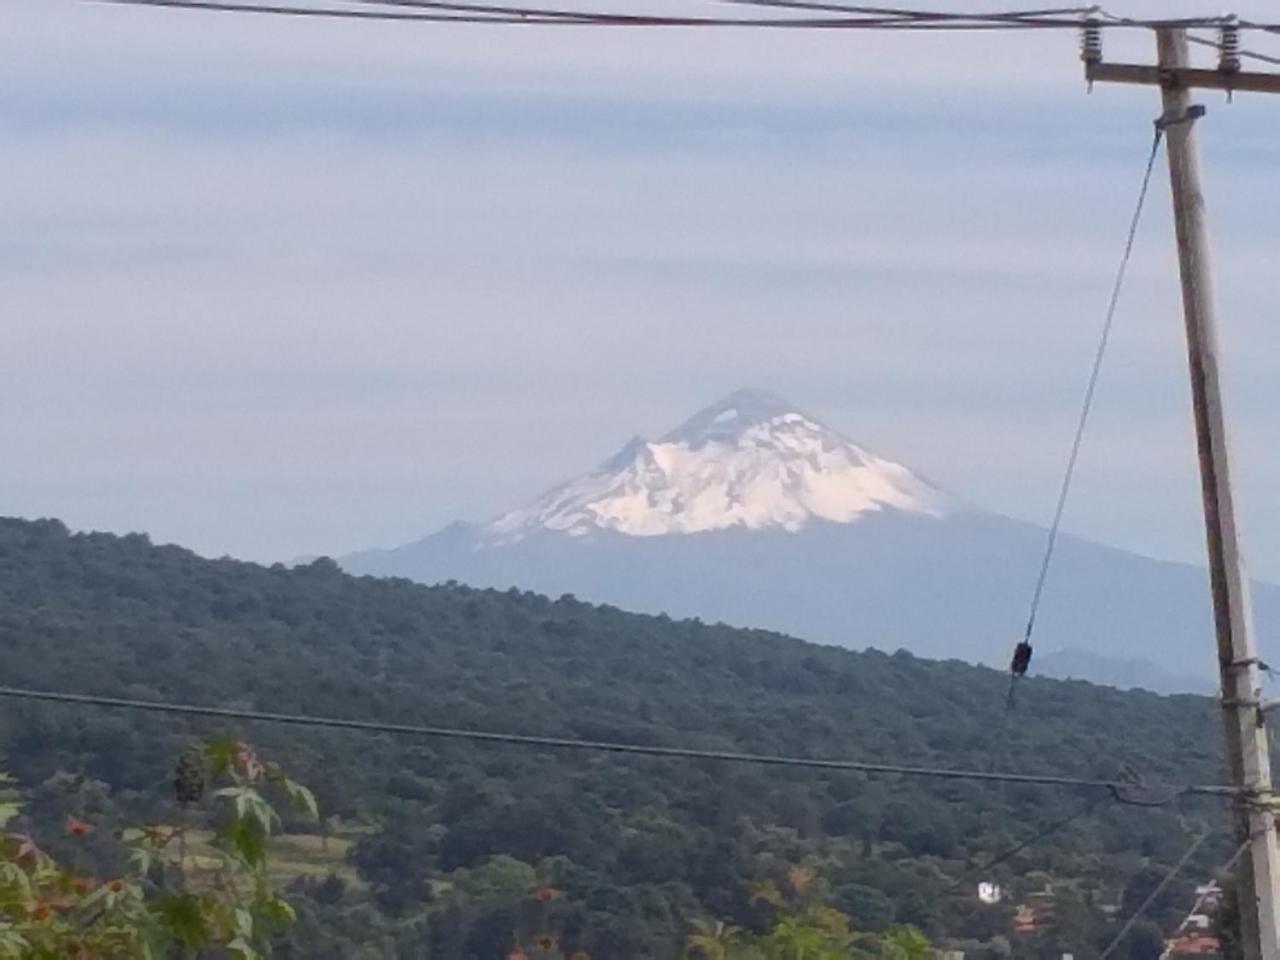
<point x="1185" y="77"/>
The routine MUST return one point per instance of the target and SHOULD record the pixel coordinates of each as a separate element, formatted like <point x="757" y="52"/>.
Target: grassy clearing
<point x="290" y="856"/>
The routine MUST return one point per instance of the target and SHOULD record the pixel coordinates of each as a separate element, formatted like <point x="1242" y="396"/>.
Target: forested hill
<point x="638" y="847"/>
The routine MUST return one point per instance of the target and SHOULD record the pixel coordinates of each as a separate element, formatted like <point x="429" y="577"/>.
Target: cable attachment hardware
<point x="1235" y="703"/>
<point x="1193" y="113"/>
<point x="1133" y="790"/>
<point x="1259" y="799"/>
<point x="1260" y="707"/>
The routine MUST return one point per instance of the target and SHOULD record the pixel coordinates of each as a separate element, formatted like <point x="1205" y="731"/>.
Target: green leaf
<point x="182" y="916"/>
<point x="222" y="755"/>
<point x="301" y="797"/>
<point x="12" y="944"/>
<point x="281" y="911"/>
<point x="250" y="805"/>
<point x="239" y="947"/>
<point x="102" y="895"/>
<point x="245" y="839"/>
<point x="15" y="886"/>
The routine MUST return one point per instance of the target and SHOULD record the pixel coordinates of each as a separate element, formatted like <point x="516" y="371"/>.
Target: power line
<point x="874" y="18"/>
<point x="558" y="14"/>
<point x="1094" y="17"/>
<point x="1095" y="371"/>
<point x="907" y="13"/>
<point x="443" y="11"/>
<point x="1250" y="54"/>
<point x="1155" y="894"/>
<point x="230" y="6"/>
<point x="1061" y="18"/>
<point x="1117" y="788"/>
<point x="972" y="868"/>
<point x="853" y="17"/>
<point x="464" y="14"/>
<point x="1203" y="898"/>
<point x="856" y="16"/>
<point x="905" y="18"/>
<point x="868" y="16"/>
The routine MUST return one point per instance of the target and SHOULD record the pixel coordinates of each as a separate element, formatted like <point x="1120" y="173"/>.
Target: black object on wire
<point x="1022" y="652"/>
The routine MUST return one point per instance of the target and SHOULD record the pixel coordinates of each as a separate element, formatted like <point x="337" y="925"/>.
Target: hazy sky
<point x="275" y="287"/>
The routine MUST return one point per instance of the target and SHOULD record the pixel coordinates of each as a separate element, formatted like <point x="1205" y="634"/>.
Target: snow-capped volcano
<point x="752" y="461"/>
<point x="754" y="513"/>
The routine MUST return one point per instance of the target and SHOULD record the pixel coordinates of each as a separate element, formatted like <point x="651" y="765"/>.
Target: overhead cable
<point x="442" y="11"/>
<point x="1022" y="654"/>
<point x="971" y="868"/>
<point x="853" y="17"/>
<point x="1249" y="54"/>
<point x="1119" y="789"/>
<point x="1155" y="894"/>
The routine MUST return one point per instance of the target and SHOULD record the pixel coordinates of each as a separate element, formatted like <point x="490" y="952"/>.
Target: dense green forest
<point x="439" y="849"/>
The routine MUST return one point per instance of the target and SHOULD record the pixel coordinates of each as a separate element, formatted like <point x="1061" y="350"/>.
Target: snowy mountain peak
<point x="738" y="411"/>
<point x="752" y="460"/>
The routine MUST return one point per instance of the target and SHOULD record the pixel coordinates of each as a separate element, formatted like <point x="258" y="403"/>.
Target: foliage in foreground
<point x="165" y="900"/>
<point x="801" y="927"/>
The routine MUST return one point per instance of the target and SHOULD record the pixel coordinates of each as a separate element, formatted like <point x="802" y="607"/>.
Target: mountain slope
<point x="754" y="514"/>
<point x="453" y="838"/>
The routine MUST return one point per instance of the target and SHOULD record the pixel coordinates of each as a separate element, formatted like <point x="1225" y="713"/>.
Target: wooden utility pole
<point x="1248" y="759"/>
